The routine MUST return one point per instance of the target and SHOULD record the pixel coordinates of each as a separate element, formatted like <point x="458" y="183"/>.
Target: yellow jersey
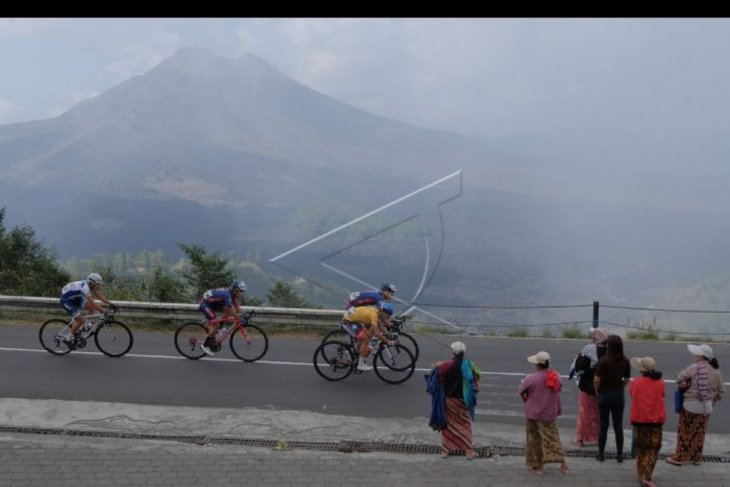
<point x="365" y="315"/>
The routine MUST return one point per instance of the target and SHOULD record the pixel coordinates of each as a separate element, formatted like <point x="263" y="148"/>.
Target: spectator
<point x="460" y="378"/>
<point x="647" y="416"/>
<point x="613" y="372"/>
<point x="703" y="386"/>
<point x="541" y="393"/>
<point x="584" y="366"/>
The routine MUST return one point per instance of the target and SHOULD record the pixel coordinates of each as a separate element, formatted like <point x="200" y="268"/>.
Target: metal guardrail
<point x="182" y="311"/>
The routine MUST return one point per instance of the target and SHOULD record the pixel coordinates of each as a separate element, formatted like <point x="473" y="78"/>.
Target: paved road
<point x="155" y="374"/>
<point x="278" y="398"/>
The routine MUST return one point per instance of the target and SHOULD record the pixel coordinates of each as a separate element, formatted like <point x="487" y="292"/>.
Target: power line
<point x="513" y="325"/>
<point x="567" y="306"/>
<point x="675" y="332"/>
<point x="667" y="310"/>
<point x="489" y="306"/>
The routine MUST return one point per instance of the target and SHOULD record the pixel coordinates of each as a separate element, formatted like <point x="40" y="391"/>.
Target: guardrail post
<point x="595" y="314"/>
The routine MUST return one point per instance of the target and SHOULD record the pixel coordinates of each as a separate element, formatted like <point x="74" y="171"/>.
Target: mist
<point x="596" y="147"/>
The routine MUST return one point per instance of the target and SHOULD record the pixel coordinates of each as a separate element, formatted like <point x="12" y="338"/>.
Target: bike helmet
<point x="387" y="308"/>
<point x="388" y="288"/>
<point x="94" y="279"/>
<point x="238" y="286"/>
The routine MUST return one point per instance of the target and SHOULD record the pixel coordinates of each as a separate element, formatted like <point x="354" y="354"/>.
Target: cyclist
<point x="221" y="299"/>
<point x="365" y="322"/>
<point x="371" y="298"/>
<point x="77" y="298"/>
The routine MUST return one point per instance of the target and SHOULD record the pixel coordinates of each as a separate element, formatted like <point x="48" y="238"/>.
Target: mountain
<point x="201" y="127"/>
<point x="236" y="155"/>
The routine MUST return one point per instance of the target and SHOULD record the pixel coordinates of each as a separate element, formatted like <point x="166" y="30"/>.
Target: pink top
<point x="542" y="404"/>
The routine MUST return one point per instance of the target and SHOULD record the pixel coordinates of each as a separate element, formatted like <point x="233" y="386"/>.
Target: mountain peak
<point x="197" y="60"/>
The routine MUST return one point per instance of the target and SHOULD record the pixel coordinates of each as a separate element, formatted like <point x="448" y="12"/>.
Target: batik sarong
<point x="543" y="443"/>
<point x="648" y="444"/>
<point x="690" y="436"/>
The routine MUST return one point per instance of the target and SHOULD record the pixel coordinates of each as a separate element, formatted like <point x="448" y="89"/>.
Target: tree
<point x="283" y="295"/>
<point x="164" y="287"/>
<point x="253" y="301"/>
<point x="27" y="267"/>
<point x="208" y="271"/>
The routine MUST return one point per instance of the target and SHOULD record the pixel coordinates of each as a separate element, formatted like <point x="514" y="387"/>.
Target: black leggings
<point x="611" y="401"/>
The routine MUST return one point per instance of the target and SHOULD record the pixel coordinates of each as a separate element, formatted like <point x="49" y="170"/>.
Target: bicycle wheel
<point x="48" y="333"/>
<point x="394" y="364"/>
<point x="410" y="343"/>
<point x="188" y="339"/>
<point x="333" y="360"/>
<point x="338" y="335"/>
<point x="113" y="338"/>
<point x="252" y="348"/>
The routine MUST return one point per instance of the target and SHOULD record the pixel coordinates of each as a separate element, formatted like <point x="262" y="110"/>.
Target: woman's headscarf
<point x="599" y="335"/>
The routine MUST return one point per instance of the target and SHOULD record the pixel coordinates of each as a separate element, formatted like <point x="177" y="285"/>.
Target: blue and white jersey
<point x="75" y="290"/>
<point x="217" y="298"/>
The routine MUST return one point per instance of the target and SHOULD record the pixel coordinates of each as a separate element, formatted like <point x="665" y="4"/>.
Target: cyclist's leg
<point x="73" y="307"/>
<point x="212" y="328"/>
<point x="363" y="338"/>
<point x="209" y="315"/>
<point x="229" y="316"/>
<point x="350" y="328"/>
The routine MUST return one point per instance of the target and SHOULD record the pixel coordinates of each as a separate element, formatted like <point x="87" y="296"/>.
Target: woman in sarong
<point x="647" y="416"/>
<point x="460" y="378"/>
<point x="541" y="393"/>
<point x="703" y="386"/>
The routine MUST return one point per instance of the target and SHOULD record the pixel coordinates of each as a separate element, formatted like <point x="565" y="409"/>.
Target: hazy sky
<point x="492" y="77"/>
<point x="642" y="104"/>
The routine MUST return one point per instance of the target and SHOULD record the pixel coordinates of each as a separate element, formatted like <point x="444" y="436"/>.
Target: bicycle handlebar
<point x="247" y="315"/>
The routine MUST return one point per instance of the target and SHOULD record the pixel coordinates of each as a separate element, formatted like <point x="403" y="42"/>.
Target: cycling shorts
<point x="352" y="329"/>
<point x="74" y="305"/>
<point x="209" y="310"/>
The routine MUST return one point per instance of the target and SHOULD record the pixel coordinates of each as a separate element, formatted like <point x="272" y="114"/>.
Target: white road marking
<point x="267" y="362"/>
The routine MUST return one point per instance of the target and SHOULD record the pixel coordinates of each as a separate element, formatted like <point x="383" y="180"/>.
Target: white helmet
<point x="94" y="279"/>
<point x="238" y="285"/>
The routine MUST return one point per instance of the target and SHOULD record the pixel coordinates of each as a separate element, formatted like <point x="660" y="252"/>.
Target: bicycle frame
<point x="391" y="334"/>
<point x="354" y="346"/>
<point x="244" y="319"/>
<point x="97" y="321"/>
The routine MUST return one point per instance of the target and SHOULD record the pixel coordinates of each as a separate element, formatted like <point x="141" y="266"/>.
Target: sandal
<point x="537" y="471"/>
<point x="472" y="456"/>
<point x="674" y="461"/>
<point x="444" y="454"/>
<point x="564" y="468"/>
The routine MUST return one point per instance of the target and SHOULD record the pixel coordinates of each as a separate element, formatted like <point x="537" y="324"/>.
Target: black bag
<point x="585" y="379"/>
<point x="585" y="382"/>
<point x="583" y="364"/>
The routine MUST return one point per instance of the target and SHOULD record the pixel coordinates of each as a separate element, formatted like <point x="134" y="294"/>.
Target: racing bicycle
<point x="395" y="333"/>
<point x="248" y="342"/>
<point x="113" y="338"/>
<point x="335" y="360"/>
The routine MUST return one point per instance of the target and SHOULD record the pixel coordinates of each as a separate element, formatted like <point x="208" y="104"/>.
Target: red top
<point x="647" y="401"/>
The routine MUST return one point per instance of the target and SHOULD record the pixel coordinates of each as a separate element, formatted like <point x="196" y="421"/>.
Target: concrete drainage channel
<point x="342" y="446"/>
